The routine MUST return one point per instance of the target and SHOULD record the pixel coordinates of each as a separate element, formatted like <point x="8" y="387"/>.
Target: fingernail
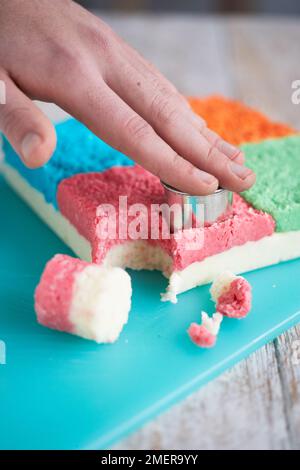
<point x="230" y="150"/>
<point x="206" y="177"/>
<point x="240" y="170"/>
<point x="29" y="144"/>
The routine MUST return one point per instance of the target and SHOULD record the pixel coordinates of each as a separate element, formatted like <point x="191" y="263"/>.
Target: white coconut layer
<point x="240" y="259"/>
<point x="101" y="303"/>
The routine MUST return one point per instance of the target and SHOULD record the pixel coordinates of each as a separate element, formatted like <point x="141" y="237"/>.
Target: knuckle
<point x="163" y="109"/>
<point x="104" y="43"/>
<point x="67" y="61"/>
<point x="211" y="150"/>
<point x="239" y="156"/>
<point x="214" y="162"/>
<point x="137" y="128"/>
<point x="103" y="39"/>
<point x="210" y="135"/>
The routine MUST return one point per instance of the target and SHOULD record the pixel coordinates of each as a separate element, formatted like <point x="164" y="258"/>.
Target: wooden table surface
<point x="256" y="405"/>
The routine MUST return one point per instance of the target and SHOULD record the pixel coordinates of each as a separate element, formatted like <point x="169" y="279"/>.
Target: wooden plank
<point x="243" y="409"/>
<point x="288" y="357"/>
<point x="265" y="63"/>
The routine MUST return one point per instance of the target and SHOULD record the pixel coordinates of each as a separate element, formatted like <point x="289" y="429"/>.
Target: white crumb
<point x="212" y="324"/>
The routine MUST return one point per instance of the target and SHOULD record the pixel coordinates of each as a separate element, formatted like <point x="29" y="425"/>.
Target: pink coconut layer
<point x="54" y="292"/>
<point x="235" y="302"/>
<point x="201" y="336"/>
<point x="79" y="198"/>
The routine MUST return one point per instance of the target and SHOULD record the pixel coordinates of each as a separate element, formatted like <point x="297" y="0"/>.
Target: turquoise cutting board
<point x="61" y="392"/>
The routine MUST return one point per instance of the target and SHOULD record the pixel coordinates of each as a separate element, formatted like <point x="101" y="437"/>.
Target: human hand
<point x="54" y="50"/>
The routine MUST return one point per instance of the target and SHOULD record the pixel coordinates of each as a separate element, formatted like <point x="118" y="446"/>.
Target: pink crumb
<point x="236" y="301"/>
<point x="201" y="336"/>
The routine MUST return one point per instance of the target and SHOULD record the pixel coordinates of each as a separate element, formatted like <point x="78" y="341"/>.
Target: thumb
<point x="29" y="131"/>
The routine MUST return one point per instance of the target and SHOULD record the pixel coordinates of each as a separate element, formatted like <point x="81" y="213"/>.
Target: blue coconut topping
<point x="78" y="150"/>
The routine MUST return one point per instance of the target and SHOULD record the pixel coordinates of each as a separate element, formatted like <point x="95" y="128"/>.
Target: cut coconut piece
<point x="83" y="298"/>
